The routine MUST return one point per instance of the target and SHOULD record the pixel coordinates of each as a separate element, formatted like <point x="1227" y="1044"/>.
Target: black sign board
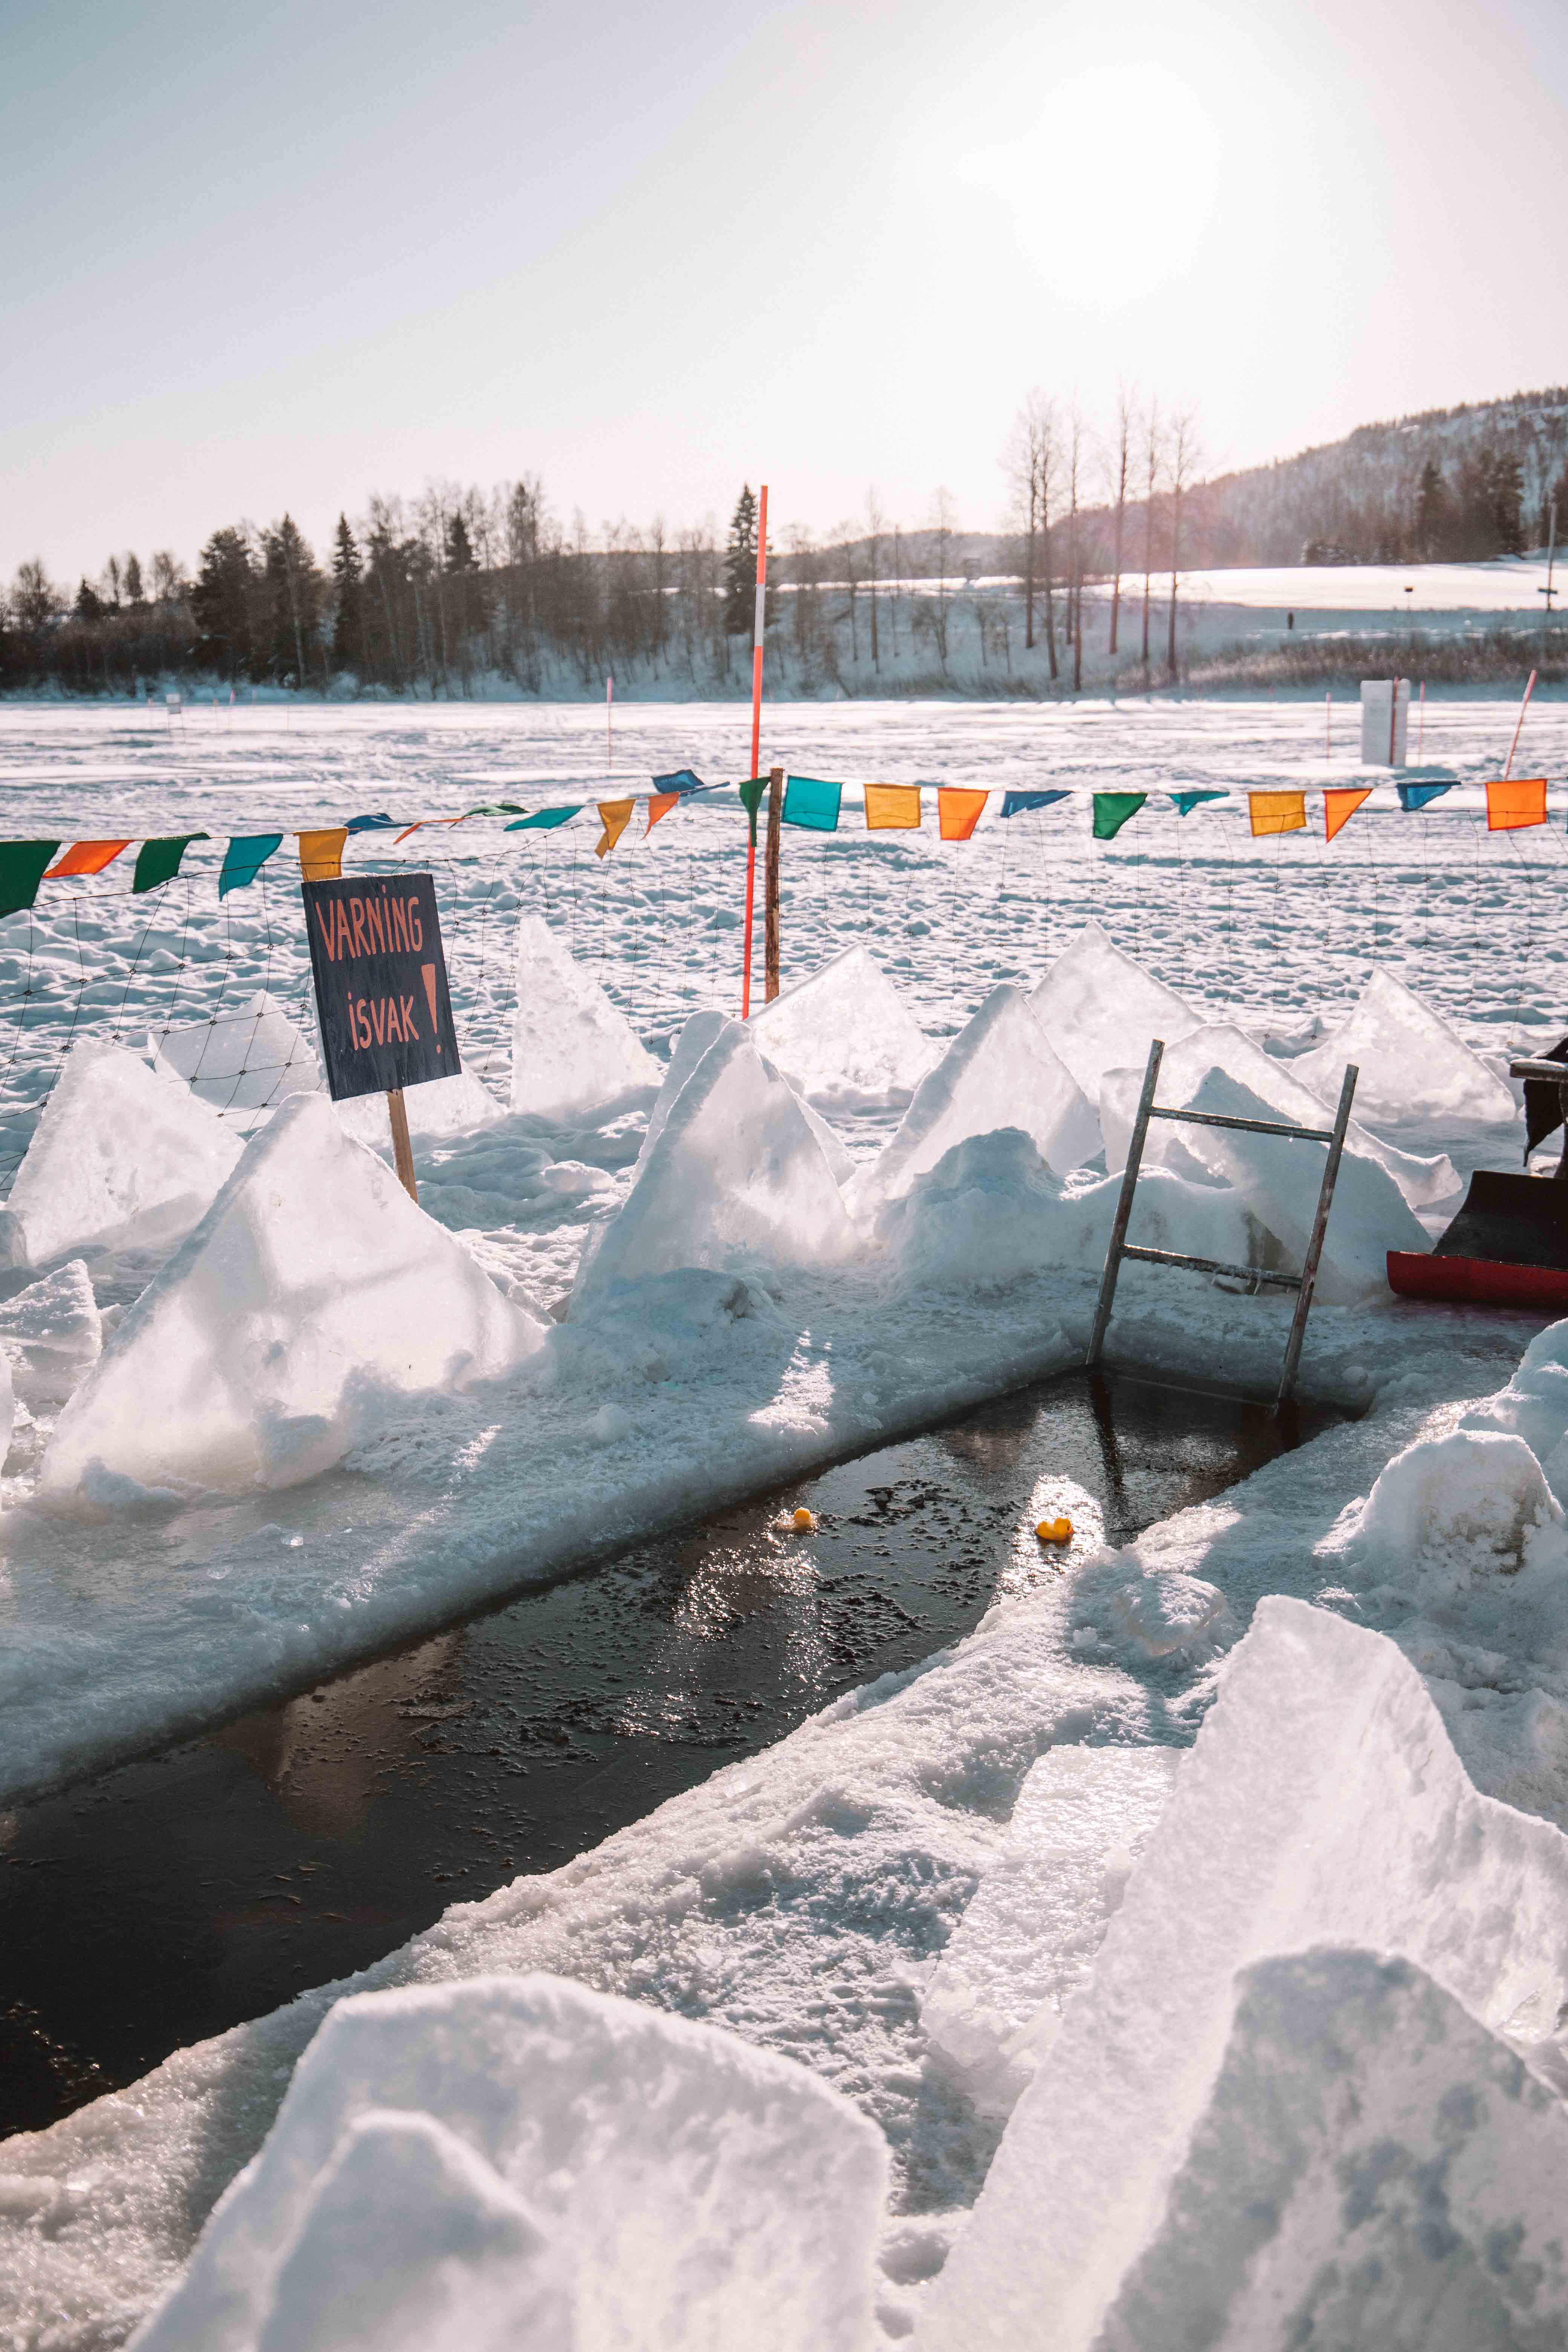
<point x="380" y="984"/>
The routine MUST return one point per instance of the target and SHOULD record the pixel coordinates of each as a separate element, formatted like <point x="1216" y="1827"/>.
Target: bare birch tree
<point x="1120" y="461"/>
<point x="1153" y="454"/>
<point x="1184" y="462"/>
<point x="875" y="526"/>
<point x="1032" y="464"/>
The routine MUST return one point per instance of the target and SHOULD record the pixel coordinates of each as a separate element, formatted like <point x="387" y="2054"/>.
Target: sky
<point x="275" y="257"/>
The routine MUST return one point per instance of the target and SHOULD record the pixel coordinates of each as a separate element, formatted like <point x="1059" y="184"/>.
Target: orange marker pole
<point x="759" y="616"/>
<point x="1523" y="707"/>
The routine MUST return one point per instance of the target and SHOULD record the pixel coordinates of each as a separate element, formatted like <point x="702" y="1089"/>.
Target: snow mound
<point x="121" y="1158"/>
<point x="595" y="2172"/>
<point x="243" y="1061"/>
<point x="1279" y="1181"/>
<point x="1322" y="1802"/>
<point x="574" y="1055"/>
<point x="1099" y="1009"/>
<point x="735" y="1179"/>
<point x="1417" y="1071"/>
<point x="998" y="1072"/>
<point x="456" y="1106"/>
<point x="1372" y="2168"/>
<point x="52" y="1335"/>
<point x="1217" y="1046"/>
<point x="845" y="1037"/>
<point x="1029" y="1936"/>
<point x="1534" y="1405"/>
<point x="312" y="1285"/>
<point x="1449" y="1514"/>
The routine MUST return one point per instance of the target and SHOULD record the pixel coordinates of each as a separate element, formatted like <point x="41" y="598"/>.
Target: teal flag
<point x="545" y="820"/>
<point x="807" y="802"/>
<point x="1187" y="802"/>
<point x="1416" y="797"/>
<point x="243" y="858"/>
<point x="22" y="865"/>
<point x="1019" y="804"/>
<point x="1113" y="810"/>
<point x="159" y="861"/>
<point x="497" y="808"/>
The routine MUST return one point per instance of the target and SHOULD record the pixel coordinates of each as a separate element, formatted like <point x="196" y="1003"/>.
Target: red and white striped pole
<point x="1523" y="707"/>
<point x="759" y="619"/>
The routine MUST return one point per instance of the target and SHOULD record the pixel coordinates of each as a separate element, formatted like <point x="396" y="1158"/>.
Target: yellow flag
<point x="618" y="815"/>
<point x="1277" y="811"/>
<point x="321" y="854"/>
<point x="893" y="808"/>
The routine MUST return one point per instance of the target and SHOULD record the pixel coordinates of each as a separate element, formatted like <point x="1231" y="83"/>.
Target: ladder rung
<point x="1251" y="1274"/>
<point x="1251" y="1125"/>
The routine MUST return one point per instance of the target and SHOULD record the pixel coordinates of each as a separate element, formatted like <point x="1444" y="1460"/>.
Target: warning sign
<point x="380" y="984"/>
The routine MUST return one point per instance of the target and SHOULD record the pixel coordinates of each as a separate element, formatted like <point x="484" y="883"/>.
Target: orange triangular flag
<point x="895" y="808"/>
<point x="1515" y="801"/>
<point x="1341" y="803"/>
<point x="618" y="815"/>
<point x="86" y="857"/>
<point x="958" y="812"/>
<point x="1277" y="812"/>
<point x="658" y="805"/>
<point x="321" y="854"/>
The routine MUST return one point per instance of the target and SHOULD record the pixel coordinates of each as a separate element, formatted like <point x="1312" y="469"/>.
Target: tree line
<point x="437" y="595"/>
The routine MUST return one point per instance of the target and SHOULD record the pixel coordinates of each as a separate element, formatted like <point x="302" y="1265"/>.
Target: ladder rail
<point x="1315" y="1247"/>
<point x="1124" y="1205"/>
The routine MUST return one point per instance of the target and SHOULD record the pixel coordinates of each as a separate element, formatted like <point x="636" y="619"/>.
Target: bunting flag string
<point x="1340" y="805"/>
<point x="815" y="804"/>
<point x="1516" y="801"/>
<point x="1113" y="810"/>
<point x="1277" y="812"/>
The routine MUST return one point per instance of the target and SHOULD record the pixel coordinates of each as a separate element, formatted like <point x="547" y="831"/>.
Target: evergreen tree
<point x="133" y="594"/>
<point x="461" y="599"/>
<point x="348" y="625"/>
<point x="740" y="564"/>
<point x="221" y="603"/>
<point x="294" y="588"/>
<point x="89" y="605"/>
<point x="1431" y="512"/>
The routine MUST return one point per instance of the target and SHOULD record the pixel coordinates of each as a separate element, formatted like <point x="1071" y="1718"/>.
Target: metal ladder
<point x="1302" y="1284"/>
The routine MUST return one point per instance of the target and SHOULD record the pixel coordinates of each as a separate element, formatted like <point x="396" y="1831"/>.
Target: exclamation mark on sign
<point x="427" y="974"/>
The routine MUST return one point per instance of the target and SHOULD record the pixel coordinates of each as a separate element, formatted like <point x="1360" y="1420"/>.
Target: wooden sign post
<point x="382" y="999"/>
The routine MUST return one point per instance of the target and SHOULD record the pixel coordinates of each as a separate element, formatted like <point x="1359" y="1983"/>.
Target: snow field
<point x="252" y="1482"/>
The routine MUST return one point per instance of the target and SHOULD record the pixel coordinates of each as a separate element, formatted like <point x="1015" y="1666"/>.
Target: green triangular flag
<point x="751" y="793"/>
<point x="22" y="865"/>
<point x="1111" y="811"/>
<point x="159" y="861"/>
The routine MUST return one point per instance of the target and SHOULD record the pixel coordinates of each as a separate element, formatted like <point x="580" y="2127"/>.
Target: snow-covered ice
<point x="575" y="1055"/>
<point x="1184" y="1067"/>
<point x="311" y="1288"/>
<point x="1099" y="1007"/>
<point x="121" y="1160"/>
<point x="735" y="1178"/>
<point x="1415" y="1070"/>
<point x="1322" y="1803"/>
<point x="52" y="1335"/>
<point x="845" y="1036"/>
<point x="1028" y="1939"/>
<point x="619" y="2178"/>
<point x="244" y="1061"/>
<point x="999" y="1072"/>
<point x="444" y="1107"/>
<point x="1373" y="2168"/>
